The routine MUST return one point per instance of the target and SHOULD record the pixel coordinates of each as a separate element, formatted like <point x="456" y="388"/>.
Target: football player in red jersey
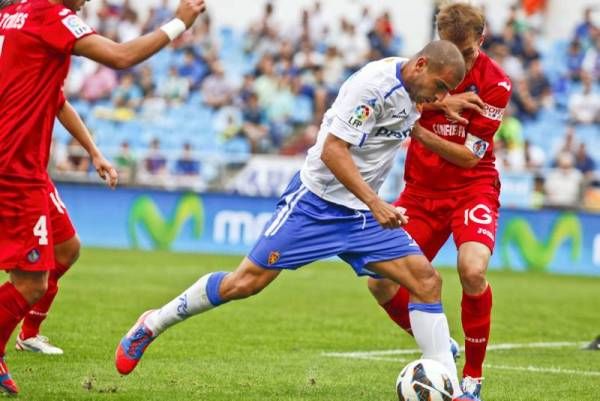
<point x="37" y="38"/>
<point x="452" y="185"/>
<point x="65" y="239"/>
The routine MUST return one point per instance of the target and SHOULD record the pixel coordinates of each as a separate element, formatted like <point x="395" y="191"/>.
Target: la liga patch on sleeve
<point x="476" y="145"/>
<point x="76" y="26"/>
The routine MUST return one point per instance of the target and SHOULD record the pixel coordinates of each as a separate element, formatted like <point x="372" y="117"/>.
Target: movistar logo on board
<point x="538" y="254"/>
<point x="163" y="231"/>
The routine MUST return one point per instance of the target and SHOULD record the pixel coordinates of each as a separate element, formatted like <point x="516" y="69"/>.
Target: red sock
<point x="38" y="313"/>
<point x="397" y="309"/>
<point x="476" y="321"/>
<point x="13" y="307"/>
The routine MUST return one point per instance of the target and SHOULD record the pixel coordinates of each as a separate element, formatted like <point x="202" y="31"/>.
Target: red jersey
<point x="429" y="174"/>
<point x="36" y="41"/>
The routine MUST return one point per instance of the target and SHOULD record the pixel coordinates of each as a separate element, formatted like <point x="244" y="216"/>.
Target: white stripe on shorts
<point x="291" y="200"/>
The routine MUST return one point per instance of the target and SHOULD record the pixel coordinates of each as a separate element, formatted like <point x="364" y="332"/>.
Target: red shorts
<point x="62" y="227"/>
<point x="31" y="222"/>
<point x="469" y="217"/>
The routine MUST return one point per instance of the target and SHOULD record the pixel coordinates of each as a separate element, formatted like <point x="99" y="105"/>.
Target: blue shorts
<point x="306" y="228"/>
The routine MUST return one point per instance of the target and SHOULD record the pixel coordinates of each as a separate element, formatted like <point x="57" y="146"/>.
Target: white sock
<point x="202" y="296"/>
<point x="430" y="328"/>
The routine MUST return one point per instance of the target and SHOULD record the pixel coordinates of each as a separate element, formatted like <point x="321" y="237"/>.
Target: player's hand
<point x="388" y="216"/>
<point x="105" y="170"/>
<point x="456" y="104"/>
<point x="189" y="10"/>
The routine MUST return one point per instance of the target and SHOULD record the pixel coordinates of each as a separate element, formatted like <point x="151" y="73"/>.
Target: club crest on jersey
<point x="360" y="115"/>
<point x="274" y="257"/>
<point x="33" y="256"/>
<point x="472" y="88"/>
<point x="76" y="26"/>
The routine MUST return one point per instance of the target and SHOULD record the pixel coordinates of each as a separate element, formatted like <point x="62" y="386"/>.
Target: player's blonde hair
<point x="459" y="22"/>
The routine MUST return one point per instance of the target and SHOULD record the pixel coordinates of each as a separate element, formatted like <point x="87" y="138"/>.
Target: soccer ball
<point x="424" y="380"/>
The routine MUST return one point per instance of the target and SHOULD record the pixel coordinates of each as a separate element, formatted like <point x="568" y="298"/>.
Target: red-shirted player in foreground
<point x="37" y="38"/>
<point x="452" y="186"/>
<point x="65" y="239"/>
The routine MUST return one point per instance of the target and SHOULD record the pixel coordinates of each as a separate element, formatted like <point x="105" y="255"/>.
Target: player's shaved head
<point x="443" y="56"/>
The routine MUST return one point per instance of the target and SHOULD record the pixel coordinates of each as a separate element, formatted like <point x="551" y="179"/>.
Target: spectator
<point x="529" y="53"/>
<point x="153" y="107"/>
<point x="585" y="30"/>
<point x="381" y="39"/>
<point x="128" y="27"/>
<point x="584" y="162"/>
<point x="333" y="67"/>
<point x="155" y="162"/>
<point x="591" y="202"/>
<point x="574" y="60"/>
<point x="128" y="94"/>
<point x="227" y="123"/>
<point x="266" y="82"/>
<point x="216" y="89"/>
<point x="187" y="164"/>
<point x="175" y="88"/>
<point x="255" y="126"/>
<point x="76" y="161"/>
<point x="526" y="105"/>
<point x="591" y="61"/>
<point x="193" y="68"/>
<point x="510" y="134"/>
<point x="538" y="196"/>
<point x="511" y="64"/>
<point x="157" y="16"/>
<point x="584" y="107"/>
<point x="145" y="80"/>
<point x="125" y="163"/>
<point x="100" y="85"/>
<point x="539" y="84"/>
<point x="246" y="90"/>
<point x="308" y="57"/>
<point x="352" y="46"/>
<point x="534" y="156"/>
<point x="563" y="183"/>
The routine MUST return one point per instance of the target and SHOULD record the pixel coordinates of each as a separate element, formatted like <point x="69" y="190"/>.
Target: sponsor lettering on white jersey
<point x="373" y="112"/>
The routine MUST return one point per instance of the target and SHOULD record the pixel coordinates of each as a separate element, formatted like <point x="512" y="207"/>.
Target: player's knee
<point x="67" y="254"/>
<point x="381" y="289"/>
<point x="473" y="279"/>
<point x="429" y="288"/>
<point x="472" y="268"/>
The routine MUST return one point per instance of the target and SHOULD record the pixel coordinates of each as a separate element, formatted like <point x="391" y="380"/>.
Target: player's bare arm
<point x="454" y="105"/>
<point x="125" y="55"/>
<point x="69" y="118"/>
<point x="337" y="158"/>
<point x="457" y="154"/>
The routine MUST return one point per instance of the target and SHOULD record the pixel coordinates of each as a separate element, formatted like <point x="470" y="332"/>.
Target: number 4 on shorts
<point x="40" y="230"/>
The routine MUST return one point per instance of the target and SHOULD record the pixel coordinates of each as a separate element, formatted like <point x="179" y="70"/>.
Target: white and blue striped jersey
<point x="374" y="113"/>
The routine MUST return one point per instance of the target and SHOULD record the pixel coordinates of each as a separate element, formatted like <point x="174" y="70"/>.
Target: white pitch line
<point x="388" y="356"/>
<point x="492" y="347"/>
<point x="537" y="369"/>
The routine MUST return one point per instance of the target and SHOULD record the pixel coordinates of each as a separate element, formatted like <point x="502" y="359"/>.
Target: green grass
<point x="270" y="347"/>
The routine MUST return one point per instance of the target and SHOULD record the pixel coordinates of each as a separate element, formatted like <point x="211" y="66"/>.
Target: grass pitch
<point x="272" y="347"/>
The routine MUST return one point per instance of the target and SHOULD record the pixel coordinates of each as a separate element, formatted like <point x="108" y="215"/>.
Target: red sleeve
<point x="63" y="28"/>
<point x="496" y="98"/>
<point x="61" y="99"/>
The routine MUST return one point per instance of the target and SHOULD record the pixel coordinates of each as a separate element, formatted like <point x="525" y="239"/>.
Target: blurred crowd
<point x="265" y="90"/>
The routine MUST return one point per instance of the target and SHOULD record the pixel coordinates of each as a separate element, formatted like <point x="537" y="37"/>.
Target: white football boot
<point x="39" y="344"/>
